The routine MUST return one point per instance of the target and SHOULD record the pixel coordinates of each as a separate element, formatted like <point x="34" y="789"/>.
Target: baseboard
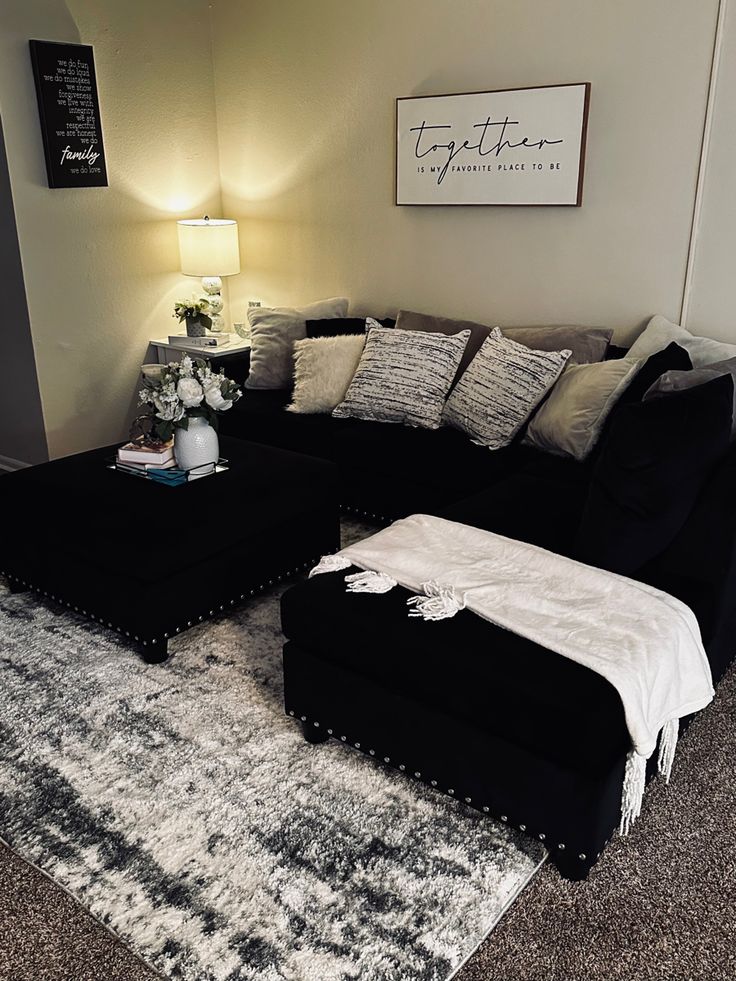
<point x="7" y="463"/>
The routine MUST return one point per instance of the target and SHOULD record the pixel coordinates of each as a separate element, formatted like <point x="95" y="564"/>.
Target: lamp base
<point x="212" y="286"/>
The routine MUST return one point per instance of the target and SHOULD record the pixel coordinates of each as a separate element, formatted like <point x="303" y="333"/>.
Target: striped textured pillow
<point x="500" y="389"/>
<point x="403" y="376"/>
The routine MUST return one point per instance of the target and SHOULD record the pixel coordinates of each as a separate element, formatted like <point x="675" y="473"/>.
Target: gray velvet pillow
<point x="403" y="376"/>
<point x="678" y="381"/>
<point x="588" y="344"/>
<point x="571" y="420"/>
<point x="273" y="332"/>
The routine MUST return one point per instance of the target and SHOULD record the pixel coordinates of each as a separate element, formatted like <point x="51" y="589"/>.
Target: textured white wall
<point x="301" y="98"/>
<point x="305" y="99"/>
<point x="101" y="264"/>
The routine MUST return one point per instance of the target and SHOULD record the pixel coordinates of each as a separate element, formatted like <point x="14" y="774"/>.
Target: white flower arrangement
<point x="185" y="389"/>
<point x="196" y="310"/>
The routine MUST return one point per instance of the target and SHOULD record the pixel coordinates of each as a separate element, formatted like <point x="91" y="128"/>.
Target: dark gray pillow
<point x="588" y="344"/>
<point x="678" y="381"/>
<point x="409" y="320"/>
<point x="403" y="376"/>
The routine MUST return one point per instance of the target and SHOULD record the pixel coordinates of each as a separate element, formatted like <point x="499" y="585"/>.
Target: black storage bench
<point x="482" y="714"/>
<point x="150" y="560"/>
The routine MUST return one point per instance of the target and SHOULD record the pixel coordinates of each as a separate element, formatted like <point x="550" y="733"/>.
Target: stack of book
<point x="208" y="340"/>
<point x="138" y="458"/>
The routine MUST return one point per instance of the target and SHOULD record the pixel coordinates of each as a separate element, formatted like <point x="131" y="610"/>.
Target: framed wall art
<point x="66" y="89"/>
<point x="507" y="147"/>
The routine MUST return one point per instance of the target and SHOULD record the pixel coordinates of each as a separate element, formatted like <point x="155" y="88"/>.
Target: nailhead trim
<point x="302" y="567"/>
<point x="450" y="791"/>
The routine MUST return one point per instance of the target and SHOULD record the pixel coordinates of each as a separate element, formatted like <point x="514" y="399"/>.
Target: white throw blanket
<point x="643" y="641"/>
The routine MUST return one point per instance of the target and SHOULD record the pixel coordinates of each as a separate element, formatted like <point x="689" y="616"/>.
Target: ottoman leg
<point x="17" y="587"/>
<point x="156" y="653"/>
<point x="571" y="869"/>
<point x="314" y="735"/>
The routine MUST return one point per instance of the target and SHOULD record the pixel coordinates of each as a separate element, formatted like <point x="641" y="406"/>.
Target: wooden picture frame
<point x="465" y="148"/>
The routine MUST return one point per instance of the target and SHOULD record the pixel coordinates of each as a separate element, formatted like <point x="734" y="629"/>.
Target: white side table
<point x="233" y="357"/>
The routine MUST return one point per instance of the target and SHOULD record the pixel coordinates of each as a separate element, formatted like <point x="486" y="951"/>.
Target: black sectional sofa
<point x="488" y="717"/>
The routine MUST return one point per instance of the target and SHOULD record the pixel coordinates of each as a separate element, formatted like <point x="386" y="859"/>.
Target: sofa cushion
<point x="403" y="377"/>
<point x="677" y="380"/>
<point x="273" y="332"/>
<point x="646" y="481"/>
<point x="502" y="386"/>
<point x="261" y="417"/>
<point x="671" y="358"/>
<point x="338" y="326"/>
<point x="543" y="510"/>
<point x="443" y="458"/>
<point x="410" y="320"/>
<point x="587" y="344"/>
<point x="465" y="667"/>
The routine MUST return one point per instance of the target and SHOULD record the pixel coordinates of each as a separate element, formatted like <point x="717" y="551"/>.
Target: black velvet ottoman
<point x="483" y="715"/>
<point x="149" y="560"/>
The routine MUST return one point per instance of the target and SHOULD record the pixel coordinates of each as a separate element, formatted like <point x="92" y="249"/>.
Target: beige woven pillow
<point x="570" y="421"/>
<point x="323" y="370"/>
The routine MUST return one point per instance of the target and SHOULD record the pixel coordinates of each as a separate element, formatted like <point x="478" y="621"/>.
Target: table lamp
<point x="208" y="248"/>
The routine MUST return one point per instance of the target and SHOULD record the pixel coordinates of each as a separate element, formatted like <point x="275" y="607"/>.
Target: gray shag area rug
<point x="179" y="805"/>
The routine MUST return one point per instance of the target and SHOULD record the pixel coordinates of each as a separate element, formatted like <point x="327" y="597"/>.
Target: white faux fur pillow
<point x="323" y="370"/>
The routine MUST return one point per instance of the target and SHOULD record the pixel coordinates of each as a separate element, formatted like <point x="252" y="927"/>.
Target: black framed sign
<point x="507" y="147"/>
<point x="66" y="87"/>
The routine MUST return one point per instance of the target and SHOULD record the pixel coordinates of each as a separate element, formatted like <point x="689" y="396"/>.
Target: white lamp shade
<point x="209" y="247"/>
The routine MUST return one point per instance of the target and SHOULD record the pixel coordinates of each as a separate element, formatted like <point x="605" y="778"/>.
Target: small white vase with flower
<point x="184" y="399"/>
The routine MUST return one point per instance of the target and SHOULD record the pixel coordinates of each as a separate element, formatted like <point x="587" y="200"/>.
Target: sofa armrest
<point x="699" y="565"/>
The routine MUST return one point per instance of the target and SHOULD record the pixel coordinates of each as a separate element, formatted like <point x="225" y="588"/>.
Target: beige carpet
<point x="660" y="905"/>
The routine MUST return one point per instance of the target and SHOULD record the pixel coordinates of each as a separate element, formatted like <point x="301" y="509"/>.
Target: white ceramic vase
<point x="197" y="446"/>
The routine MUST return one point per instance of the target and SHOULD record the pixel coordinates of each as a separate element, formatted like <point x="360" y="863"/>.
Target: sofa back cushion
<point x="647" y="478"/>
<point x="502" y="386"/>
<point x="677" y="380"/>
<point x="273" y="332"/>
<point x="410" y="320"/>
<point x="588" y="344"/>
<point x="403" y="376"/>
<point x="672" y="358"/>
<point x="337" y="326"/>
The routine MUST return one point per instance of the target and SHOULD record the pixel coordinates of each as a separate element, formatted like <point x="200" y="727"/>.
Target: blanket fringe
<point x="330" y="563"/>
<point x="633" y="792"/>
<point x="636" y="773"/>
<point x="439" y="602"/>
<point x="369" y="582"/>
<point x="667" y="747"/>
